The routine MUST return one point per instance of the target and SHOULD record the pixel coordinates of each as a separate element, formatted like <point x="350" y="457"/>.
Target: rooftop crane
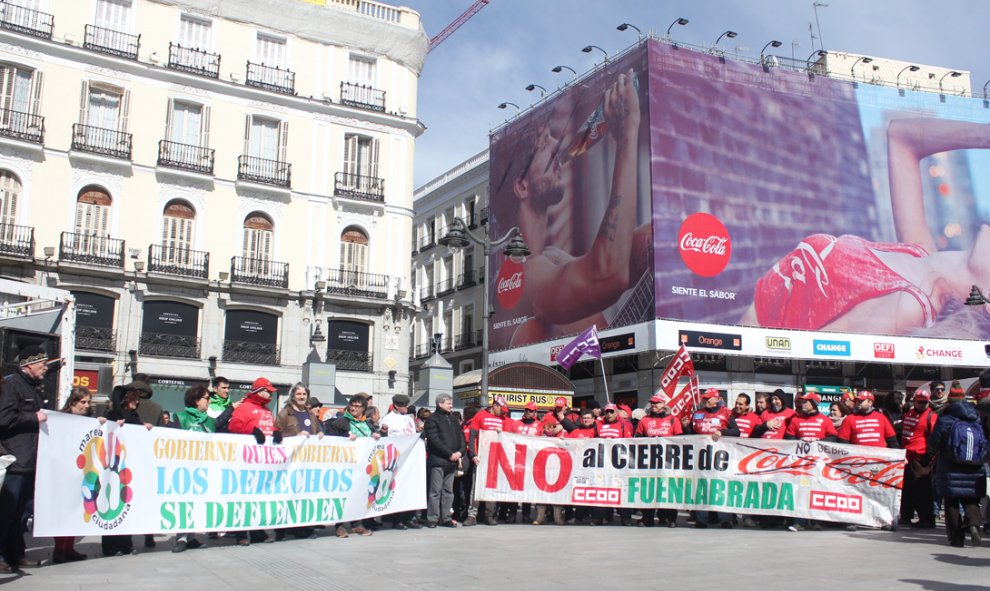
<point x="456" y="24"/>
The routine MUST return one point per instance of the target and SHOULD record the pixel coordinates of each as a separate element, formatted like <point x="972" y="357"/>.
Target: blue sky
<point x="513" y="43"/>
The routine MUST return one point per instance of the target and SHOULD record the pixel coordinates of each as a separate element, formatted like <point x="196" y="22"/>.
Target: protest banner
<point x="815" y="480"/>
<point x="97" y="479"/>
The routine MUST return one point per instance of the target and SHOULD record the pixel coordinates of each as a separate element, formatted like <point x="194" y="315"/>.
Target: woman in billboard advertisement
<point x="850" y="284"/>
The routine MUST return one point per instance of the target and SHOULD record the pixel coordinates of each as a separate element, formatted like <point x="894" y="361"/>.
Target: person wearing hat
<point x="21" y="401"/>
<point x="774" y="418"/>
<point x="612" y="426"/>
<point x="252" y="417"/>
<point x="491" y="419"/>
<point x="715" y="420"/>
<point x="917" y="424"/>
<point x="958" y="482"/>
<point x="397" y="422"/>
<point x="528" y="424"/>
<point x="867" y="425"/>
<point x="746" y="419"/>
<point x="809" y="425"/>
<point x="658" y="422"/>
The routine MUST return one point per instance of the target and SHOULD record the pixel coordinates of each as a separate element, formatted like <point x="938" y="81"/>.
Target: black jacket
<point x="21" y="397"/>
<point x="443" y="438"/>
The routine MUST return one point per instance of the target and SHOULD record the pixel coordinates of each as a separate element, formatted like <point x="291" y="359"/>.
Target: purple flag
<point x="584" y="343"/>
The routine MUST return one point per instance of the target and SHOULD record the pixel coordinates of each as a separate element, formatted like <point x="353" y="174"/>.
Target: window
<point x="258" y="232"/>
<point x="177" y="232"/>
<point x="10" y="195"/>
<point x="448" y="329"/>
<point x="360" y="156"/>
<point x="266" y="138"/>
<point x="21" y="90"/>
<point x="188" y="123"/>
<point x="114" y="15"/>
<point x="195" y="32"/>
<point x="362" y="71"/>
<point x="467" y="320"/>
<point x="104" y="106"/>
<point x="354" y="251"/>
<point x="92" y="222"/>
<point x="271" y="50"/>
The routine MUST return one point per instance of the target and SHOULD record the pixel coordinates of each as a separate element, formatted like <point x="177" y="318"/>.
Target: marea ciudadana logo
<point x="381" y="472"/>
<point x="106" y="484"/>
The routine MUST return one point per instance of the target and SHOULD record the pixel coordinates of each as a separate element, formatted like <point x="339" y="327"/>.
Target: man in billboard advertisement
<point x="809" y="203"/>
<point x="583" y="208"/>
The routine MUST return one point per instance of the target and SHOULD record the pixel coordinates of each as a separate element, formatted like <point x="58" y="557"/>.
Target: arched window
<point x="10" y="196"/>
<point x="354" y="251"/>
<point x="92" y="221"/>
<point x="177" y="232"/>
<point x="258" y="231"/>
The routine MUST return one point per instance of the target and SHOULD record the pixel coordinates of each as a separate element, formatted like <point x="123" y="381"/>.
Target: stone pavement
<point x="545" y="557"/>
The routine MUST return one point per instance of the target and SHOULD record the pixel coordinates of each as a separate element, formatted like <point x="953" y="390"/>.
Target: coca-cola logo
<point x="509" y="285"/>
<point x="704" y="244"/>
<point x="855" y="470"/>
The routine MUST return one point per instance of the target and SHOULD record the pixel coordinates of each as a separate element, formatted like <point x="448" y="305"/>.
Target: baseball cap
<point x="262" y="384"/>
<point x="659" y="398"/>
<point x="626" y="408"/>
<point x="812" y="396"/>
<point x="500" y="401"/>
<point x="611" y="406"/>
<point x="530" y="405"/>
<point x="560" y="401"/>
<point x="864" y="395"/>
<point x="710" y="393"/>
<point x="849" y="396"/>
<point x="922" y="395"/>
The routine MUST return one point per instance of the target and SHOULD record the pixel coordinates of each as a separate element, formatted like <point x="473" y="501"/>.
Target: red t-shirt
<point x="486" y="421"/>
<point x="915" y="429"/>
<point x="871" y="429"/>
<point x="583" y="433"/>
<point x="816" y="426"/>
<point x="534" y="428"/>
<point x="665" y="426"/>
<point x="615" y="430"/>
<point x="768" y="415"/>
<point x="747" y="422"/>
<point x="706" y="423"/>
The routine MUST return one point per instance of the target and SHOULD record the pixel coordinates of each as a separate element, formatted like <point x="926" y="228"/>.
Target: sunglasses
<point x="610" y="412"/>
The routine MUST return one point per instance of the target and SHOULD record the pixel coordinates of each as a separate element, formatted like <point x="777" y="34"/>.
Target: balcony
<point x="193" y="61"/>
<point x="98" y="140"/>
<point x="357" y="284"/>
<point x="178" y="261"/>
<point x="427" y="242"/>
<point x="111" y="42"/>
<point x="16" y="241"/>
<point x="271" y="78"/>
<point x="22" y="126"/>
<point x="251" y="353"/>
<point x="466" y="279"/>
<point x="484" y="215"/>
<point x="350" y="360"/>
<point x="21" y="19"/>
<point x="95" y="338"/>
<point x="465" y="340"/>
<point x="169" y="345"/>
<point x="362" y="97"/>
<point x="427" y="293"/>
<point x="264" y="171"/>
<point x="446" y="286"/>
<point x="91" y="250"/>
<point x="260" y="272"/>
<point x="356" y="186"/>
<point x="185" y="157"/>
<point x="422" y="350"/>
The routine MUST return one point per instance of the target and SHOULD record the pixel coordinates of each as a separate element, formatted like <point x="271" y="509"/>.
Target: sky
<point x="510" y="44"/>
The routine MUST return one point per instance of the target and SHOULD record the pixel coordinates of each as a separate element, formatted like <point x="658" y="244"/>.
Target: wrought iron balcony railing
<point x="193" y="61"/>
<point x="264" y="171"/>
<point x="93" y="250"/>
<point x="251" y="353"/>
<point x="357" y="284"/>
<point x="446" y="286"/>
<point x="271" y="78"/>
<point x="427" y="293"/>
<point x="16" y="241"/>
<point x="169" y="345"/>
<point x="465" y="340"/>
<point x="98" y="140"/>
<point x="112" y="42"/>
<point x="95" y="338"/>
<point x="484" y="215"/>
<point x="362" y="97"/>
<point x="22" y="126"/>
<point x="178" y="261"/>
<point x="22" y="19"/>
<point x="185" y="157"/>
<point x="466" y="279"/>
<point x="421" y="350"/>
<point x="350" y="360"/>
<point x="262" y="272"/>
<point x="369" y="188"/>
<point x="427" y="242"/>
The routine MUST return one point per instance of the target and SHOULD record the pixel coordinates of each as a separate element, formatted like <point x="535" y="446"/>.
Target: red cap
<point x="500" y="401"/>
<point x="658" y="397"/>
<point x="923" y="395"/>
<point x="611" y="406"/>
<point x="626" y="408"/>
<point x="710" y="393"/>
<point x="812" y="396"/>
<point x="560" y="401"/>
<point x="549" y="419"/>
<point x="864" y="395"/>
<point x="849" y="396"/>
<point x="262" y="384"/>
<point x="530" y="405"/>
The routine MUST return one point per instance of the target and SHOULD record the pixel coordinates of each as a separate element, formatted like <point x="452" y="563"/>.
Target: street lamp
<point x="460" y="236"/>
<point x="819" y="54"/>
<point x="952" y="73"/>
<point x="729" y="34"/>
<point x="532" y="87"/>
<point x="507" y="104"/>
<point x="897" y="80"/>
<point x="558" y="69"/>
<point x="679" y="21"/>
<point x="976" y="297"/>
<point x="626" y="26"/>
<point x="773" y="44"/>
<point x="588" y="48"/>
<point x="852" y="70"/>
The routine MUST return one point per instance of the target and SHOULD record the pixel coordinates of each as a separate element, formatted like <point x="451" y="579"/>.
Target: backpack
<point x="967" y="445"/>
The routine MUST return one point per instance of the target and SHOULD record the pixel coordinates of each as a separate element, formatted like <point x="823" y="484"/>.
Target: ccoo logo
<point x="704" y="244"/>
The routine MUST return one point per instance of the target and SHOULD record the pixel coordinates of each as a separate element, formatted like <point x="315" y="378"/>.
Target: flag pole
<point x="605" y="381"/>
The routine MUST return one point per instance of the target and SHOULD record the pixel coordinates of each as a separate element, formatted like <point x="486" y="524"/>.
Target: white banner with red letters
<point x="814" y="480"/>
<point x="109" y="479"/>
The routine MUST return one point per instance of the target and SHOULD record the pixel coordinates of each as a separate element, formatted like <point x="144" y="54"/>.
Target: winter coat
<point x="952" y="479"/>
<point x="21" y="398"/>
<point x="251" y="414"/>
<point x="288" y="423"/>
<point x="346" y="424"/>
<point x="443" y="438"/>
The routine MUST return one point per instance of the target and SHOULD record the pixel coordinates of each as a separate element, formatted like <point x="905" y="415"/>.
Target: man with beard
<point x="809" y="425"/>
<point x="774" y="418"/>
<point x="917" y="425"/>
<point x="658" y="422"/>
<point x="563" y="292"/>
<point x="492" y="419"/>
<point x="715" y="420"/>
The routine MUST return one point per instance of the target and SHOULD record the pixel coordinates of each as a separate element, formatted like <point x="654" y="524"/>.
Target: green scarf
<point x="359" y="428"/>
<point x="192" y="419"/>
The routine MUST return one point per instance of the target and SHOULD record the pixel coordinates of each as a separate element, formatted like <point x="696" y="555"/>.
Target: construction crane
<point x="449" y="29"/>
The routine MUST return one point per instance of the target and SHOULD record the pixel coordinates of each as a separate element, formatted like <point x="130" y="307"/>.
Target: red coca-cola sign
<point x="704" y="244"/>
<point x="509" y="285"/>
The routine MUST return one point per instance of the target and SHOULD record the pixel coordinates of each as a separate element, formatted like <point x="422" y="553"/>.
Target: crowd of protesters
<point x="937" y="479"/>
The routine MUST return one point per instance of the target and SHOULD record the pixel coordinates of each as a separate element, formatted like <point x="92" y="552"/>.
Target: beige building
<point x="216" y="181"/>
<point x="889" y="72"/>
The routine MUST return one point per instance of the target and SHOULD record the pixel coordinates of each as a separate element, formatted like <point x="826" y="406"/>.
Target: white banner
<point x="95" y="479"/>
<point x="815" y="480"/>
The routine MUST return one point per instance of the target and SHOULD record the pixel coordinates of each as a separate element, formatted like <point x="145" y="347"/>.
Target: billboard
<point x="573" y="175"/>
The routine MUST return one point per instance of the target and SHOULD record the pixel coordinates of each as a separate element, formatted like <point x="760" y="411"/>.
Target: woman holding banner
<point x="195" y="417"/>
<point x="79" y="403"/>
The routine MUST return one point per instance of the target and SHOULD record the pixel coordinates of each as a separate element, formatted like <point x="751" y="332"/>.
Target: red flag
<point x="680" y="365"/>
<point x="683" y="404"/>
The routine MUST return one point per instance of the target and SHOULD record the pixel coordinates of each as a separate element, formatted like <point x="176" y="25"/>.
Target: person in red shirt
<point x="586" y="429"/>
<point x="746" y="419"/>
<point x="715" y="420"/>
<point x="658" y="422"/>
<point x="809" y="424"/>
<point x="774" y="418"/>
<point x="252" y="417"/>
<point x="491" y="419"/>
<point x="551" y="428"/>
<point x="612" y="427"/>
<point x="867" y="426"/>
<point x="528" y="424"/>
<point x="917" y="424"/>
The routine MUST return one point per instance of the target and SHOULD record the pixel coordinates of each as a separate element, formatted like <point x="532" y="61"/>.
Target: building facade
<point x="228" y="180"/>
